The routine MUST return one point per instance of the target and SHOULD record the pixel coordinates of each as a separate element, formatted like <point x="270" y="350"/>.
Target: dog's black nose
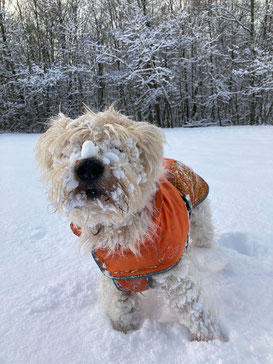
<point x="89" y="170"/>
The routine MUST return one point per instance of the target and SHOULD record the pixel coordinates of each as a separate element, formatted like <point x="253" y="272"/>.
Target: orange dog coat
<point x="162" y="252"/>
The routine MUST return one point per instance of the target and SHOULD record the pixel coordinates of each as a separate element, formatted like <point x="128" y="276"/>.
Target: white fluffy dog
<point x="107" y="174"/>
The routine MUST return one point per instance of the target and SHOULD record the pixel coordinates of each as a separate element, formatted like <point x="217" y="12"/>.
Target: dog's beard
<point x="93" y="193"/>
<point x="94" y="200"/>
<point x="104" y="201"/>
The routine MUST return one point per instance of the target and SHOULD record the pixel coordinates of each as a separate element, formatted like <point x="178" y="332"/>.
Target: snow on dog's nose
<point x="89" y="170"/>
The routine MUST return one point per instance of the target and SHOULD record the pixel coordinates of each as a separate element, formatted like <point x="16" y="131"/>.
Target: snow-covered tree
<point x="171" y="62"/>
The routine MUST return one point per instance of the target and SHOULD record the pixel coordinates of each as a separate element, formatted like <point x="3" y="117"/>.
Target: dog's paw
<point x="127" y="322"/>
<point x="125" y="314"/>
<point x="202" y="337"/>
<point x="214" y="333"/>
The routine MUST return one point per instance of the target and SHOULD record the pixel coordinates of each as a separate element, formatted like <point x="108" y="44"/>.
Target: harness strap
<point x="188" y="204"/>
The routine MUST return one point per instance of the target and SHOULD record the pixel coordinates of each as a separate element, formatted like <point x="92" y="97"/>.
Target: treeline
<point x="172" y="62"/>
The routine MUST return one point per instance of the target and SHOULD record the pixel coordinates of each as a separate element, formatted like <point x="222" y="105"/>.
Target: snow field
<point x="48" y="293"/>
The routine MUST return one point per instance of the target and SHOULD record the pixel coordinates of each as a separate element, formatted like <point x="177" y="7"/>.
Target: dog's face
<point x="100" y="167"/>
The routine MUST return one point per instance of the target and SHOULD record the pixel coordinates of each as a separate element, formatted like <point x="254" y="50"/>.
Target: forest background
<point x="170" y="62"/>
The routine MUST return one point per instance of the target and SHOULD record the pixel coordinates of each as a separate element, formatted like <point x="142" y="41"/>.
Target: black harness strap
<point x="187" y="203"/>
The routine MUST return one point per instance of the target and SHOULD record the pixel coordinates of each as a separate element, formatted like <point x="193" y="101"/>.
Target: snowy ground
<point x="48" y="291"/>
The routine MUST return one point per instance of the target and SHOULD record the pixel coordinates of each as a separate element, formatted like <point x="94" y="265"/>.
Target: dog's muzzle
<point x="88" y="172"/>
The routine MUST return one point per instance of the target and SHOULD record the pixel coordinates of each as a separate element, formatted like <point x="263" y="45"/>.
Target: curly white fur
<point x="120" y="212"/>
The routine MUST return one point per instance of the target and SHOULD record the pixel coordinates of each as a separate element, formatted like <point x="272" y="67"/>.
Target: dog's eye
<point x="116" y="149"/>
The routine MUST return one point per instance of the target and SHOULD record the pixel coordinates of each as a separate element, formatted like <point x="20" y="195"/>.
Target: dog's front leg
<point x="123" y="308"/>
<point x="181" y="289"/>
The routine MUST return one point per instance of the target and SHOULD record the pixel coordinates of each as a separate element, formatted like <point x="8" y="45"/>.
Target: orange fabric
<point x="76" y="229"/>
<point x="186" y="181"/>
<point x="163" y="250"/>
<point x="131" y="272"/>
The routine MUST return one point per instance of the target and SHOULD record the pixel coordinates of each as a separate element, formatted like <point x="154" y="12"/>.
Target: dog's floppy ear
<point x="46" y="142"/>
<point x="151" y="140"/>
